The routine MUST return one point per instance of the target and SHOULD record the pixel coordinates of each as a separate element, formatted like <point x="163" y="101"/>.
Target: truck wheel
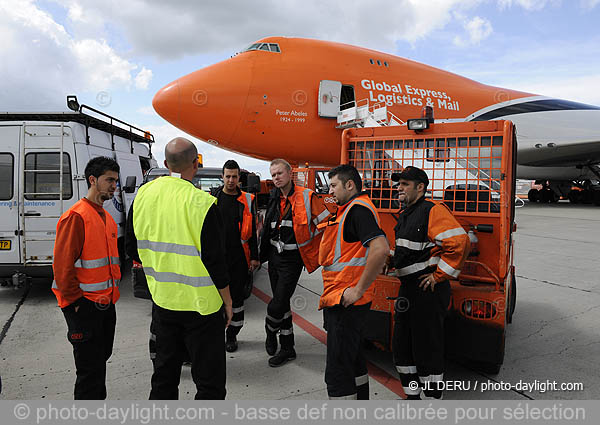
<point x="492" y="368"/>
<point x="596" y="197"/>
<point x="512" y="299"/>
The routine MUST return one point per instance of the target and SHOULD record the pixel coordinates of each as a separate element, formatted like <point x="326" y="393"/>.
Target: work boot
<point x="271" y="343"/>
<point x="231" y="343"/>
<point x="281" y="358"/>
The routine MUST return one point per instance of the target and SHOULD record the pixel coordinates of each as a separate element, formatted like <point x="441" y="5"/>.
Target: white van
<point x="34" y="148"/>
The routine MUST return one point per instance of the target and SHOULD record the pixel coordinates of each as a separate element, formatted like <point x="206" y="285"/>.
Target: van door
<point x="44" y="199"/>
<point x="10" y="248"/>
<point x="129" y="165"/>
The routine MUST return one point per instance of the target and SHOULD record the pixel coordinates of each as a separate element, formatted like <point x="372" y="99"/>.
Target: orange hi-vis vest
<point x="308" y="236"/>
<point x="246" y="224"/>
<point x="97" y="269"/>
<point x="343" y="263"/>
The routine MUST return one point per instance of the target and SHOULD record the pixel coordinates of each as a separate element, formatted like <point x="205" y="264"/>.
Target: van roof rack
<point x="104" y="122"/>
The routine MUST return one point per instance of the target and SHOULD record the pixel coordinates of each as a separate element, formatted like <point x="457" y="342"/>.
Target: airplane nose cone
<point x="212" y="100"/>
<point x="167" y="103"/>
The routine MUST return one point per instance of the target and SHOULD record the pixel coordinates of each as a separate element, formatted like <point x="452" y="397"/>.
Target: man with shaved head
<point x="180" y="154"/>
<point x="176" y="231"/>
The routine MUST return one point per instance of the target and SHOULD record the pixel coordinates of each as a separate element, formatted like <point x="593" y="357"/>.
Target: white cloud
<point x="102" y="66"/>
<point x="76" y="13"/>
<point x="189" y="27"/>
<point x="525" y="4"/>
<point x="142" y="80"/>
<point x="477" y="29"/>
<point x="585" y="89"/>
<point x="589" y="4"/>
<point x="548" y="68"/>
<point x="26" y="15"/>
<point x="146" y="110"/>
<point x="46" y="62"/>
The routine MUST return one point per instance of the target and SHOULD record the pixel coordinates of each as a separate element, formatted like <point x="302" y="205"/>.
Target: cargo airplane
<point x="291" y="98"/>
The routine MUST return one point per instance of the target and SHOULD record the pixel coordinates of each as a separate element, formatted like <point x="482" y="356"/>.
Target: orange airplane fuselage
<point x="265" y="104"/>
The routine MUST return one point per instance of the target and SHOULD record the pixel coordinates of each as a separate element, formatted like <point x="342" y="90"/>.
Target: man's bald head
<point x="180" y="154"/>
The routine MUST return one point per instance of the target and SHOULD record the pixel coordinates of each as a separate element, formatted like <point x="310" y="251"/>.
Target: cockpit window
<point x="268" y="47"/>
<point x="252" y="47"/>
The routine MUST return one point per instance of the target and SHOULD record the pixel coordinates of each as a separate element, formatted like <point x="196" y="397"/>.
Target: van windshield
<point x="207" y="182"/>
<point x="201" y="180"/>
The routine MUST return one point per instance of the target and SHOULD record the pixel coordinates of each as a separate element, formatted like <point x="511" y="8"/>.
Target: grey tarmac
<point x="554" y="335"/>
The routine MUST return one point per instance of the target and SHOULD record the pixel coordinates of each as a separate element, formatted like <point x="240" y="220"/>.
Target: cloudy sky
<point x="115" y="55"/>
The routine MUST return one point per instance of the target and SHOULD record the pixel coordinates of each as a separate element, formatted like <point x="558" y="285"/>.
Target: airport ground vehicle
<point x="471" y="167"/>
<point x="42" y="162"/>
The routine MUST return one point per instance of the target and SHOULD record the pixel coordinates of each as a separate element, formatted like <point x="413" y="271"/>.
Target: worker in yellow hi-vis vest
<point x="178" y="233"/>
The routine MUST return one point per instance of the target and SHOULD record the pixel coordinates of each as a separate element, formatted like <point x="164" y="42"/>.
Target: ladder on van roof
<point x="23" y="215"/>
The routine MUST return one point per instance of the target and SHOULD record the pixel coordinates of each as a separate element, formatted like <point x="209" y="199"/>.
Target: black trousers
<point x="202" y="337"/>
<point x="152" y="346"/>
<point x="91" y="332"/>
<point x="418" y="343"/>
<point x="284" y="273"/>
<point x="346" y="373"/>
<point x="238" y="274"/>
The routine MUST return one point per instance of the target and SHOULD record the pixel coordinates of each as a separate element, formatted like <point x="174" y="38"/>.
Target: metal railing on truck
<point x="471" y="169"/>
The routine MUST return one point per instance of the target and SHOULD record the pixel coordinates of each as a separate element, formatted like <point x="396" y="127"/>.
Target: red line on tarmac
<point x="380" y="375"/>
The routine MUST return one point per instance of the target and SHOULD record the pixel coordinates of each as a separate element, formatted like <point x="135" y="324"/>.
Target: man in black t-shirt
<point x="239" y="220"/>
<point x="353" y="252"/>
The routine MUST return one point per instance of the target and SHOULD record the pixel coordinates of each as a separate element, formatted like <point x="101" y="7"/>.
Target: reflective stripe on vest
<point x="166" y="277"/>
<point x="321" y="217"/>
<point x="94" y="264"/>
<point x="94" y="287"/>
<point x="286" y="246"/>
<point x="414" y="246"/>
<point x="175" y="248"/>
<point x="417" y="267"/>
<point x="336" y="265"/>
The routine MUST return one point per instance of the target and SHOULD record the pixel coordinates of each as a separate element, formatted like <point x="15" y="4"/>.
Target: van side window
<point x="43" y="179"/>
<point x="6" y="176"/>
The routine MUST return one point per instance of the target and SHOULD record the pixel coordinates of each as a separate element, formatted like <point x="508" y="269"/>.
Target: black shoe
<point x="282" y="357"/>
<point x="271" y="343"/>
<point x="231" y="344"/>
